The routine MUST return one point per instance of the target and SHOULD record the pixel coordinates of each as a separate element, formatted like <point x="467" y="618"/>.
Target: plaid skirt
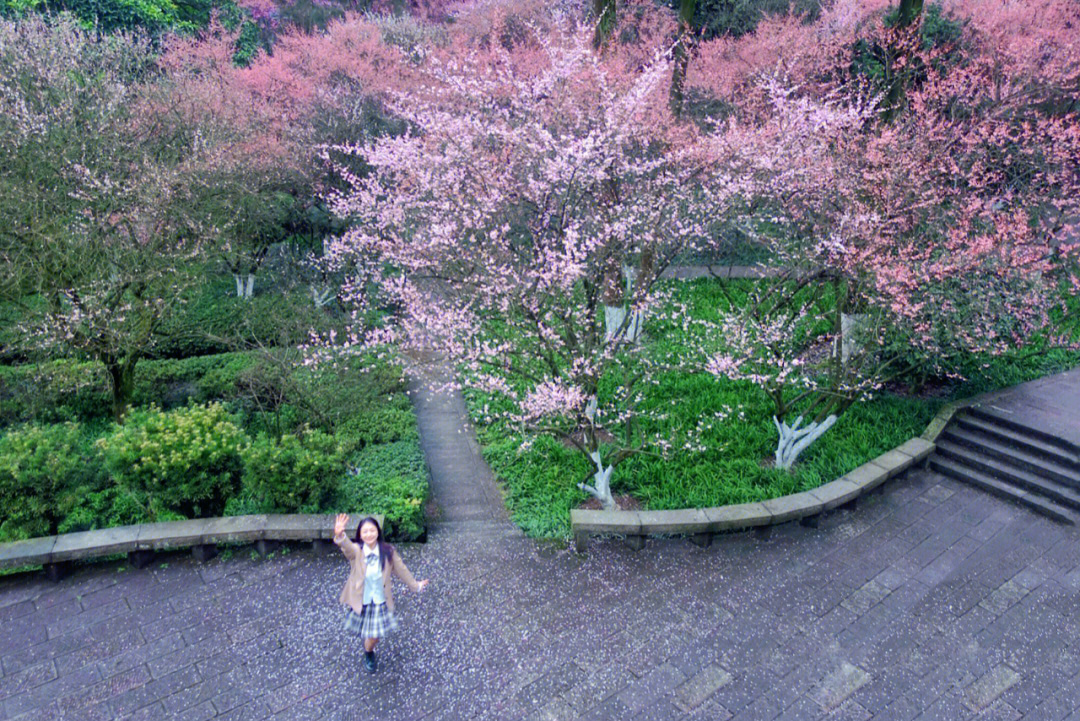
<point x="374" y="621"/>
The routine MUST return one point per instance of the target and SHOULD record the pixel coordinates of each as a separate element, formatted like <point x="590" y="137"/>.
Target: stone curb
<point x="702" y="523"/>
<point x="199" y="534"/>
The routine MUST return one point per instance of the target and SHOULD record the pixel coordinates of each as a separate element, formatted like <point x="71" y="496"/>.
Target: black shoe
<point x="369" y="661"/>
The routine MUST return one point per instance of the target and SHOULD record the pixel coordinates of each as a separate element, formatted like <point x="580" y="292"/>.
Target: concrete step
<point x="1020" y="440"/>
<point x="1004" y="471"/>
<point x="1038" y="464"/>
<point x="1002" y="421"/>
<point x="1005" y="490"/>
<point x="476" y="527"/>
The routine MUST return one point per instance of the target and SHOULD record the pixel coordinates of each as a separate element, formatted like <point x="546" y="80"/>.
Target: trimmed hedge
<point x="214" y="320"/>
<point x="72" y="390"/>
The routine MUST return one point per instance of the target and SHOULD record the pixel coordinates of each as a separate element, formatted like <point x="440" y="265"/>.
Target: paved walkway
<point x="928" y="600"/>
<point x="1050" y="405"/>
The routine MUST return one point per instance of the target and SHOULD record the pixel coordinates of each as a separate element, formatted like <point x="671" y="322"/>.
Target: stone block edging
<point x="701" y="523"/>
<point x="198" y="534"/>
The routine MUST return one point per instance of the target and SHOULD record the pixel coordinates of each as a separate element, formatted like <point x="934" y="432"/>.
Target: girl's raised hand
<point x="421" y="585"/>
<point x="339" y="523"/>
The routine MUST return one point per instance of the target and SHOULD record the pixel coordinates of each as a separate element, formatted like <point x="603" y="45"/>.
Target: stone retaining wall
<point x="202" y="535"/>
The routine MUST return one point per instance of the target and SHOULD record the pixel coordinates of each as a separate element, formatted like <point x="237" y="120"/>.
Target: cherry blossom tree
<point x="522" y="224"/>
<point x="948" y="231"/>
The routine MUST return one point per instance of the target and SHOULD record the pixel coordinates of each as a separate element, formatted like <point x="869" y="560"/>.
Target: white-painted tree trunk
<point x="795" y="439"/>
<point x="245" y="288"/>
<point x="601" y="485"/>
<point x="614" y="315"/>
<point x="851" y="325"/>
<point x="321" y="295"/>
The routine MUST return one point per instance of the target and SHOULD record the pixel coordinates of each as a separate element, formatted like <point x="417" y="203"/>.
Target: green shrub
<point x="109" y="507"/>
<point x="291" y="474"/>
<point x="390" y="479"/>
<point x="43" y="472"/>
<point x="186" y="461"/>
<point x="62" y="390"/>
<point x="364" y="395"/>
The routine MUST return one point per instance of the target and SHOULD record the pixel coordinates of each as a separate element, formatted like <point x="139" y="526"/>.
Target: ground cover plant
<point x="719" y="439"/>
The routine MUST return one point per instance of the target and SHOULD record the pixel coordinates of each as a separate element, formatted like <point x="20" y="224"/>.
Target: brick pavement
<point x="928" y="598"/>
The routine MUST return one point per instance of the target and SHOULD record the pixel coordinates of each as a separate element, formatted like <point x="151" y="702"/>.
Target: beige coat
<point x="353" y="593"/>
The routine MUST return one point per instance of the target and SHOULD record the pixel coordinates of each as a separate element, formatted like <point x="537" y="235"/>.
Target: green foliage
<point x="363" y="400"/>
<point x="213" y="320"/>
<point x="197" y="460"/>
<point x="112" y="506"/>
<point x="43" y="472"/>
<point x="540" y="484"/>
<point x="64" y="390"/>
<point x="248" y="44"/>
<point x="19" y="8"/>
<point x="938" y="28"/>
<point x="739" y="17"/>
<point x="390" y="479"/>
<point x="310" y="16"/>
<point x="186" y="461"/>
<point x="149" y="16"/>
<point x="291" y="474"/>
<point x="388" y="423"/>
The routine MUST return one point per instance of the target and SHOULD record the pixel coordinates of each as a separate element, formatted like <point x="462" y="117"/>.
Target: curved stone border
<point x="202" y="535"/>
<point x="701" y="523"/>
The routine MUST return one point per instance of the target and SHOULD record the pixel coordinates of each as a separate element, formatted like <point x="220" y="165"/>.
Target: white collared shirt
<point x="373" y="576"/>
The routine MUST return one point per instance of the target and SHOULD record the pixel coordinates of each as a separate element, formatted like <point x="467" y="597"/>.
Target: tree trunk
<point x="601" y="485"/>
<point x="794" y="439"/>
<point x="681" y="55"/>
<point x="321" y="295"/>
<point x="122" y="377"/>
<point x="617" y="298"/>
<point x="245" y="287"/>
<point x="604" y="10"/>
<point x="851" y="326"/>
<point x="909" y="16"/>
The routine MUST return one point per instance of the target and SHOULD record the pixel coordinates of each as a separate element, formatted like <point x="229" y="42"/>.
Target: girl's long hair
<point x="386" y="551"/>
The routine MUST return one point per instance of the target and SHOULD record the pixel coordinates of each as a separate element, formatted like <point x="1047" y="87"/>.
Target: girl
<point x="367" y="593"/>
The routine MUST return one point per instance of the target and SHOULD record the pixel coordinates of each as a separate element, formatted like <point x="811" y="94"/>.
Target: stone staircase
<point x="1008" y="458"/>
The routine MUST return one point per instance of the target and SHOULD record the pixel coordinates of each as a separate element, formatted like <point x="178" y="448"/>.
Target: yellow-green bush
<point x="43" y="472"/>
<point x="186" y="461"/>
